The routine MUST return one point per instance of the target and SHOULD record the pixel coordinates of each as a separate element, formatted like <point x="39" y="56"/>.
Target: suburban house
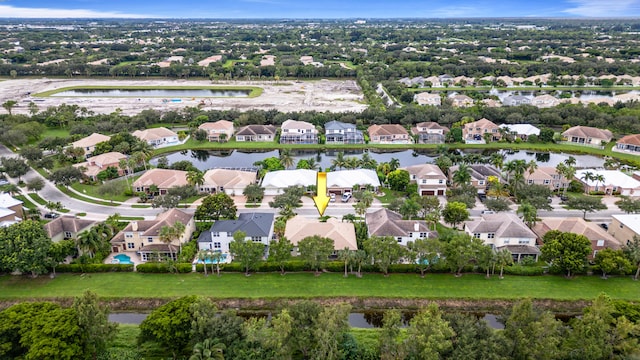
<point x="598" y="236"/>
<point x="504" y="230"/>
<point x="67" y="227"/>
<point x="298" y="132"/>
<point x="274" y="182"/>
<point x="337" y="132"/>
<point x="547" y="176"/>
<point x="426" y="98"/>
<point x="629" y="143"/>
<point x="521" y="131"/>
<point x="143" y="236"/>
<point x="429" y="133"/>
<point x="385" y="222"/>
<point x="341" y="181"/>
<point x="88" y="144"/>
<point x="516" y="100"/>
<point x="220" y="131"/>
<point x="10" y="210"/>
<point x="612" y="182"/>
<point x="388" y="134"/>
<point x="164" y="179"/>
<point x="256" y="133"/>
<point x="624" y="227"/>
<point x="430" y="179"/>
<point x="95" y="164"/>
<point x="480" y="174"/>
<point x="343" y="234"/>
<point x="157" y="137"/>
<point x="585" y="135"/>
<point x="461" y="100"/>
<point x="474" y="132"/>
<point x="545" y="101"/>
<point x="258" y="227"/>
<point x="231" y="182"/>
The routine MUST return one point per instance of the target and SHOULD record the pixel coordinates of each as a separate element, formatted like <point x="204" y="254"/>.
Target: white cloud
<point x="604" y="8"/>
<point x="7" y="11"/>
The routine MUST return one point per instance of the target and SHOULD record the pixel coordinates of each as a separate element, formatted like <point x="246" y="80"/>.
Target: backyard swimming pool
<point x="122" y="259"/>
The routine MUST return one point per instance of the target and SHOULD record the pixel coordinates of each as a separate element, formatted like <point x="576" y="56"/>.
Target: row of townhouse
<point x="541" y="101"/>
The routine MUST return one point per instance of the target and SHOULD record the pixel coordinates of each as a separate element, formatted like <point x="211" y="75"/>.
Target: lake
<point x="204" y="160"/>
<point x="140" y="93"/>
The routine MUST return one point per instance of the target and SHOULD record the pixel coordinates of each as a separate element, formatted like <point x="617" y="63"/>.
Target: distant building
<point x="337" y="132"/>
<point x="474" y="132"/>
<point x="388" y="134"/>
<point x="588" y="136"/>
<point x="298" y="132"/>
<point x="522" y="131"/>
<point x="221" y="130"/>
<point x="262" y="133"/>
<point x="157" y="137"/>
<point x="429" y="133"/>
<point x="426" y="98"/>
<point x="88" y="144"/>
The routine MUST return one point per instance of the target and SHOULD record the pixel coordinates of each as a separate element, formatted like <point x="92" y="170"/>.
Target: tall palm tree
<point x="497" y="160"/>
<point x="570" y="161"/>
<point x="170" y="233"/>
<point x="367" y="162"/>
<point x="11" y="189"/>
<point x="599" y="179"/>
<point x="203" y="256"/>
<point x="394" y="163"/>
<point x="532" y="166"/>
<point x="345" y="255"/>
<point x="587" y="176"/>
<point x="503" y="258"/>
<point x="195" y="178"/>
<point x="339" y="161"/>
<point x="462" y="175"/>
<point x="144" y="148"/>
<point x="351" y="162"/>
<point x="89" y="242"/>
<point x="529" y="214"/>
<point x="313" y="164"/>
<point x="286" y="159"/>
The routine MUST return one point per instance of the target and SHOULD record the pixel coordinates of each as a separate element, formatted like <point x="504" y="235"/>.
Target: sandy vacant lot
<point x="320" y="95"/>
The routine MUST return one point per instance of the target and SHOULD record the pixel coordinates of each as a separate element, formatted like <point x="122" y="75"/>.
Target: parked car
<point x="332" y="197"/>
<point x="604" y="226"/>
<point x="50" y="215"/>
<point x="486" y="212"/>
<point x="346" y="197"/>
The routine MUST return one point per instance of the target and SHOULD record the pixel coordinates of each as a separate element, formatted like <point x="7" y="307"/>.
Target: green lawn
<point x="38" y="199"/>
<point x="55" y="132"/>
<point x="26" y="203"/>
<point x="92" y="190"/>
<point x="306" y="285"/>
<point x="82" y="198"/>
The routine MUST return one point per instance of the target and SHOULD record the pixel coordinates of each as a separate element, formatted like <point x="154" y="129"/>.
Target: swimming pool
<point x="122" y="259"/>
<point x="223" y="259"/>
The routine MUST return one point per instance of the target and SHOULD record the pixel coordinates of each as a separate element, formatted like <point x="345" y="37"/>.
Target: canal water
<point x="204" y="160"/>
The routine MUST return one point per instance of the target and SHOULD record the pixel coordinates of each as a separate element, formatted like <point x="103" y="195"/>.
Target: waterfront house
<point x="611" y="182"/>
<point x="430" y="179"/>
<point x="274" y="182"/>
<point x="629" y="143"/>
<point x="385" y="222"/>
<point x="298" y="132"/>
<point x="547" y="176"/>
<point x="588" y="136"/>
<point x="429" y="133"/>
<point x="230" y="182"/>
<point x="256" y="133"/>
<point x="219" y="131"/>
<point x="504" y="231"/>
<point x="164" y="179"/>
<point x="474" y="132"/>
<point x="388" y="134"/>
<point x="157" y="137"/>
<point x="88" y="144"/>
<point x="257" y="226"/>
<point x="426" y="98"/>
<point x="337" y="132"/>
<point x="341" y="181"/>
<point x="521" y="131"/>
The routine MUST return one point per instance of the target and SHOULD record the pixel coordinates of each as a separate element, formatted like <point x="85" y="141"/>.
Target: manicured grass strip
<point x="131" y="218"/>
<point x="136" y="206"/>
<point x="38" y="199"/>
<point x="306" y="285"/>
<point x="25" y="202"/>
<point x="92" y="190"/>
<point x="82" y="198"/>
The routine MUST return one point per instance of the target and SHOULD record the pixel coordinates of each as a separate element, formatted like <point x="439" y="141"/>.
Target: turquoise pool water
<point x="122" y="259"/>
<point x="211" y="261"/>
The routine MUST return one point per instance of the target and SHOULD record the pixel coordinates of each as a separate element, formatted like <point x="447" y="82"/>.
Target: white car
<point x="332" y="197"/>
<point x="346" y="197"/>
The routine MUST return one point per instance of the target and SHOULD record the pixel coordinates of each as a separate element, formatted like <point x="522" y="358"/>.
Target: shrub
<point x="523" y="270"/>
<point x="94" y="268"/>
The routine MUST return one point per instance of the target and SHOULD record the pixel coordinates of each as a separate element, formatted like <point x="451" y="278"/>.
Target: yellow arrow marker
<point x="322" y="200"/>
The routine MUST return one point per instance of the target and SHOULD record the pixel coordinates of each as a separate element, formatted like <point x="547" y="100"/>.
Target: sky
<point x="290" y="9"/>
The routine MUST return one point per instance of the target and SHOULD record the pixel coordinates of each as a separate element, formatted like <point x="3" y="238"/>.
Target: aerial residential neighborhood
<point x="355" y="187"/>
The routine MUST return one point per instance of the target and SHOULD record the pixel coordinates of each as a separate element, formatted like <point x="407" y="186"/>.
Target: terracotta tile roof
<point x="387" y="129"/>
<point x="294" y="125"/>
<point x="66" y="223"/>
<point x="153" y="134"/>
<point x="504" y="225"/>
<point x="385" y="222"/>
<point x="229" y="178"/>
<point x="426" y="171"/>
<point x="429" y="125"/>
<point x="90" y="140"/>
<point x="343" y="234"/>
<point x="152" y="227"/>
<point x="162" y="178"/>
<point x="256" y="130"/>
<point x="577" y="225"/>
<point x="630" y="140"/>
<point x="588" y="132"/>
<point x="218" y="125"/>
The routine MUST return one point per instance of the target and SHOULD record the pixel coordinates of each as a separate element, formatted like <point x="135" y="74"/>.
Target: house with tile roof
<point x="430" y="179"/>
<point x="298" y="132"/>
<point x="522" y="131"/>
<point x="230" y="182"/>
<point x="460" y="100"/>
<point x="164" y="179"/>
<point x="257" y="226"/>
<point x="516" y="100"/>
<point x="95" y="164"/>
<point x="67" y="227"/>
<point x="480" y="174"/>
<point x="547" y="176"/>
<point x="388" y="134"/>
<point x="274" y="182"/>
<point x="88" y="144"/>
<point x="598" y="236"/>
<point x="629" y="143"/>
<point x="337" y="132"/>
<point x="343" y="234"/>
<point x="219" y="131"/>
<point x="142" y="237"/>
<point x="545" y="101"/>
<point x="426" y="98"/>
<point x="341" y="181"/>
<point x="611" y="182"/>
<point x="504" y="231"/>
<point x="429" y="132"/>
<point x="157" y="137"/>
<point x="475" y="132"/>
<point x="256" y="133"/>
<point x="587" y="136"/>
<point x="385" y="222"/>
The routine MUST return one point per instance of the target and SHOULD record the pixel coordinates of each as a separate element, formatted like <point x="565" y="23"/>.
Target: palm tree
<point x="339" y="161"/>
<point x="139" y="158"/>
<point x="144" y="148"/>
<point x="587" y="176"/>
<point x="394" y="163"/>
<point x="503" y="258"/>
<point x="203" y="256"/>
<point x="497" y="160"/>
<point x="346" y="256"/>
<point x="195" y="178"/>
<point x="208" y="350"/>
<point x="359" y="257"/>
<point x="351" y="162"/>
<point x="170" y="233"/>
<point x="529" y="214"/>
<point x="599" y="179"/>
<point x="367" y="162"/>
<point x="570" y="161"/>
<point x="313" y="164"/>
<point x="462" y="175"/>
<point x="286" y="159"/>
<point x="11" y="189"/>
<point x="8" y="105"/>
<point x="532" y="166"/>
<point x="89" y="242"/>
<point x="253" y="192"/>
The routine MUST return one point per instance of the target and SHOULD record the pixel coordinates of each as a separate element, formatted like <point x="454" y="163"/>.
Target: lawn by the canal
<point x="306" y="285"/>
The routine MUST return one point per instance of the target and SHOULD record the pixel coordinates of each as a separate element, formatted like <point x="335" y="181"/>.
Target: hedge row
<point x="94" y="268"/>
<point x="160" y="267"/>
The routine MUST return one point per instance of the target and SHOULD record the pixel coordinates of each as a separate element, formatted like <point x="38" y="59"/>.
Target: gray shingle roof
<point x="253" y="224"/>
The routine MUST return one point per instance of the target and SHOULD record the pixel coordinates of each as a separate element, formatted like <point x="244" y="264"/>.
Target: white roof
<point x="632" y="221"/>
<point x="522" y="129"/>
<point x="349" y="178"/>
<point x="6" y="201"/>
<point x="611" y="178"/>
<point x="284" y="178"/>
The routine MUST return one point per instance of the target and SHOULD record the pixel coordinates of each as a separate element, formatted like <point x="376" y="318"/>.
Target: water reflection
<point x="204" y="159"/>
